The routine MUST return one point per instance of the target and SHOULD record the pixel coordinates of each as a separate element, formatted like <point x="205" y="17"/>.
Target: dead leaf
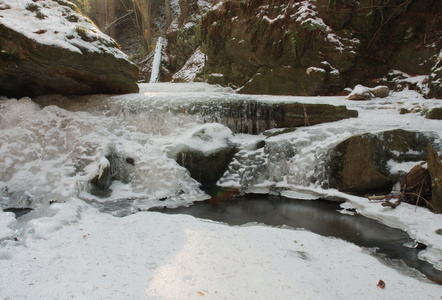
<point x="381" y="284"/>
<point x="202" y="294"/>
<point x="41" y="31"/>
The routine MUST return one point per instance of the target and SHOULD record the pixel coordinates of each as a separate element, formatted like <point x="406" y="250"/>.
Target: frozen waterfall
<point x="155" y="75"/>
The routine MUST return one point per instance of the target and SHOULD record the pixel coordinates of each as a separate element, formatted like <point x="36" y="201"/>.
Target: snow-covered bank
<point x="418" y="222"/>
<point x="154" y="256"/>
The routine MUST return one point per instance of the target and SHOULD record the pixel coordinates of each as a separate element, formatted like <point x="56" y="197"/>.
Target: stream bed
<point x="393" y="246"/>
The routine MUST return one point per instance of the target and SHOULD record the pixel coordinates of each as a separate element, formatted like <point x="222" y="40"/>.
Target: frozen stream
<point x="393" y="246"/>
<point x="51" y="148"/>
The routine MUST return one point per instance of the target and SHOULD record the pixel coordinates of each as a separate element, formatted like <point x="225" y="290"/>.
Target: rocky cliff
<point x="315" y="47"/>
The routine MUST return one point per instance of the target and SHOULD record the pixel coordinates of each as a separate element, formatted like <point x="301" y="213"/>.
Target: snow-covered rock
<point x="206" y="152"/>
<point x="48" y="47"/>
<point x="361" y="92"/>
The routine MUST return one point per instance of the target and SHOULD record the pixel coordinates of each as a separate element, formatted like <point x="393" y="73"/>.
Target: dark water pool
<point x="393" y="246"/>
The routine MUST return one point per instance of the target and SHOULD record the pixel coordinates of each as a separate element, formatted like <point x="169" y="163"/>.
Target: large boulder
<point x="360" y="164"/>
<point x="48" y="47"/>
<point x="205" y="152"/>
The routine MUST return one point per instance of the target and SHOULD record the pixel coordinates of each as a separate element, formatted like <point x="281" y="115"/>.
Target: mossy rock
<point x="435" y="114"/>
<point x="406" y="145"/>
<point x="359" y="164"/>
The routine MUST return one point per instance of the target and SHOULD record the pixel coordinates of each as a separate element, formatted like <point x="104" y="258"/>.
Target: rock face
<point x="317" y="47"/>
<point x="435" y="84"/>
<point x="253" y="117"/>
<point x="48" y="47"/>
<point x="360" y="164"/>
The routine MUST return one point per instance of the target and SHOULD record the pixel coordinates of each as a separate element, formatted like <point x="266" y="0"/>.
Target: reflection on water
<point x="321" y="217"/>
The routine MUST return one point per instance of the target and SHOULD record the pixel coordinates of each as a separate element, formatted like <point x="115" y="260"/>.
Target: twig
<point x="117" y="19"/>
<point x="382" y="25"/>
<point x="418" y="197"/>
<point x="306" y="122"/>
<point x="426" y="201"/>
<point x="381" y="197"/>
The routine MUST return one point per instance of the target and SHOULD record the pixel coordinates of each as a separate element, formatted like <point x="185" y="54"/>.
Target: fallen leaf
<point x="381" y="284"/>
<point x="202" y="294"/>
<point x="41" y="31"/>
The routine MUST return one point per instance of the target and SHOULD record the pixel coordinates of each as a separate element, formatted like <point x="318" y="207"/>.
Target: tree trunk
<point x="110" y="18"/>
<point x="144" y="8"/>
<point x="183" y="7"/>
<point x="168" y="13"/>
<point x="106" y="16"/>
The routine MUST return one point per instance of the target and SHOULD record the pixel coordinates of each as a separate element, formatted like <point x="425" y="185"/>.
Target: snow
<point x="59" y="25"/>
<point x="51" y="146"/>
<point x="271" y="21"/>
<point x="192" y="67"/>
<point x="207" y="138"/>
<point x="149" y="255"/>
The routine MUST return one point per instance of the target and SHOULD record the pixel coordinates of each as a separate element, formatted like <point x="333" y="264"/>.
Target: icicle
<point x="154" y="77"/>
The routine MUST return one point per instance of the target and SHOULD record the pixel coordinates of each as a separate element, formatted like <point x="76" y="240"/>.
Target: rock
<point x="361" y="92"/>
<point x="205" y="152"/>
<point x="435" y="79"/>
<point x="103" y="180"/>
<point x="253" y="117"/>
<point x="274" y="81"/>
<point x="435" y="169"/>
<point x="53" y="49"/>
<point x="435" y="114"/>
<point x="360" y="164"/>
<point x="114" y="166"/>
<point x="417" y="185"/>
<point x="381" y="91"/>
<point x="299" y="114"/>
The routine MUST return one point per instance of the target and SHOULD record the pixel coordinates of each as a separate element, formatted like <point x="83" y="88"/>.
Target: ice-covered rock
<point x="205" y="152"/>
